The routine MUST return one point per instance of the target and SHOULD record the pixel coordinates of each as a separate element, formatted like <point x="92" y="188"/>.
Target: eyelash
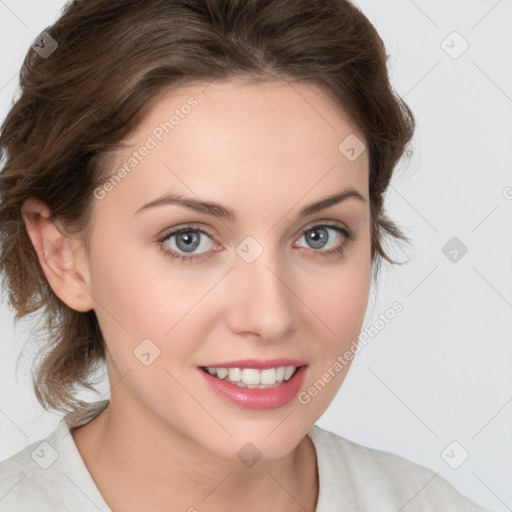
<point x="348" y="237"/>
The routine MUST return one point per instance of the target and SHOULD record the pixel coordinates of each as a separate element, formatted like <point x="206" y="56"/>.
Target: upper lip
<point x="259" y="364"/>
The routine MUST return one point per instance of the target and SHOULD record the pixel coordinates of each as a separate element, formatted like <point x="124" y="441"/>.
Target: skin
<point x="167" y="441"/>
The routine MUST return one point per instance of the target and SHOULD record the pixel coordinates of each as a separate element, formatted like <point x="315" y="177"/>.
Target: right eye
<point x="187" y="240"/>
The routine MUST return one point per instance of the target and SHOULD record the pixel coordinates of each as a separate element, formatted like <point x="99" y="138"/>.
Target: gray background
<point x="438" y="372"/>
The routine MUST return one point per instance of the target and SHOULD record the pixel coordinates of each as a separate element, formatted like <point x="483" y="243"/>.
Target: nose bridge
<point x="263" y="302"/>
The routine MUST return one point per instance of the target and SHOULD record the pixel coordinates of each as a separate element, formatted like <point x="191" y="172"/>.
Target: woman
<point x="193" y="193"/>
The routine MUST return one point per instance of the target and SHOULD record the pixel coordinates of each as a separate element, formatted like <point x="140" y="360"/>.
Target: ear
<point x="61" y="257"/>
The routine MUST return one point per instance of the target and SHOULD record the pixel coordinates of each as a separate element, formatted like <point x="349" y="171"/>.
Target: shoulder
<point x="373" y="476"/>
<point x="27" y="480"/>
<point x="50" y="475"/>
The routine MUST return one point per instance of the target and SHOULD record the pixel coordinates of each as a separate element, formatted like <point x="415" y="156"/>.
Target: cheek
<point x="340" y="297"/>
<point x="143" y="297"/>
<point x="340" y="305"/>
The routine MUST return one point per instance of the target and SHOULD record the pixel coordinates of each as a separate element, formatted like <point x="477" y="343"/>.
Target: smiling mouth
<point x="253" y="377"/>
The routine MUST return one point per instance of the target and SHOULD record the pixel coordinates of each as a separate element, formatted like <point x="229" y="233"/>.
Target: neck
<point x="138" y="462"/>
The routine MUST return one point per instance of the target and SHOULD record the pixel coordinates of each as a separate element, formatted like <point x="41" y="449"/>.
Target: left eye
<point x="318" y="236"/>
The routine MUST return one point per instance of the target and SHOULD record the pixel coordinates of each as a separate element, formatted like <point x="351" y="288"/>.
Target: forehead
<point x="259" y="139"/>
<point x="269" y="106"/>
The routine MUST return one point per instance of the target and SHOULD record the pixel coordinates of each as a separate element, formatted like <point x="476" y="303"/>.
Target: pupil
<point x="317" y="240"/>
<point x="189" y="241"/>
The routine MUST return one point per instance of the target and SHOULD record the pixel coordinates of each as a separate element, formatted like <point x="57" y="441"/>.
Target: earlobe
<point x="57" y="254"/>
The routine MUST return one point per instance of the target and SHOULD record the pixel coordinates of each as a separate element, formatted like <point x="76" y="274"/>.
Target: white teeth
<point x="253" y="378"/>
<point x="235" y="374"/>
<point x="289" y="371"/>
<point x="222" y="373"/>
<point x="268" y="376"/>
<point x="249" y="376"/>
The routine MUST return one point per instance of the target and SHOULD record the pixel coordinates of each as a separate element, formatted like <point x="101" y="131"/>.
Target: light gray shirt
<point x="50" y="476"/>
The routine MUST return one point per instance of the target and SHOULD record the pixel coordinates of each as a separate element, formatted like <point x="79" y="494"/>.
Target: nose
<point x="262" y="301"/>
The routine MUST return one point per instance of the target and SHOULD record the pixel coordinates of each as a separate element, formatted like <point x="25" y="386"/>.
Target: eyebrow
<point x="217" y="210"/>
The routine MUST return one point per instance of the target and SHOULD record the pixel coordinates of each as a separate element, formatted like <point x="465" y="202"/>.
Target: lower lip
<point x="255" y="398"/>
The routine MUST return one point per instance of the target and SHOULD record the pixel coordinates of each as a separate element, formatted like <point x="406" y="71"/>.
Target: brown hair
<point x="78" y="104"/>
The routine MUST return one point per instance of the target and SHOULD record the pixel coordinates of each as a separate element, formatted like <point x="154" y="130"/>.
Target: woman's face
<point x="267" y="284"/>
